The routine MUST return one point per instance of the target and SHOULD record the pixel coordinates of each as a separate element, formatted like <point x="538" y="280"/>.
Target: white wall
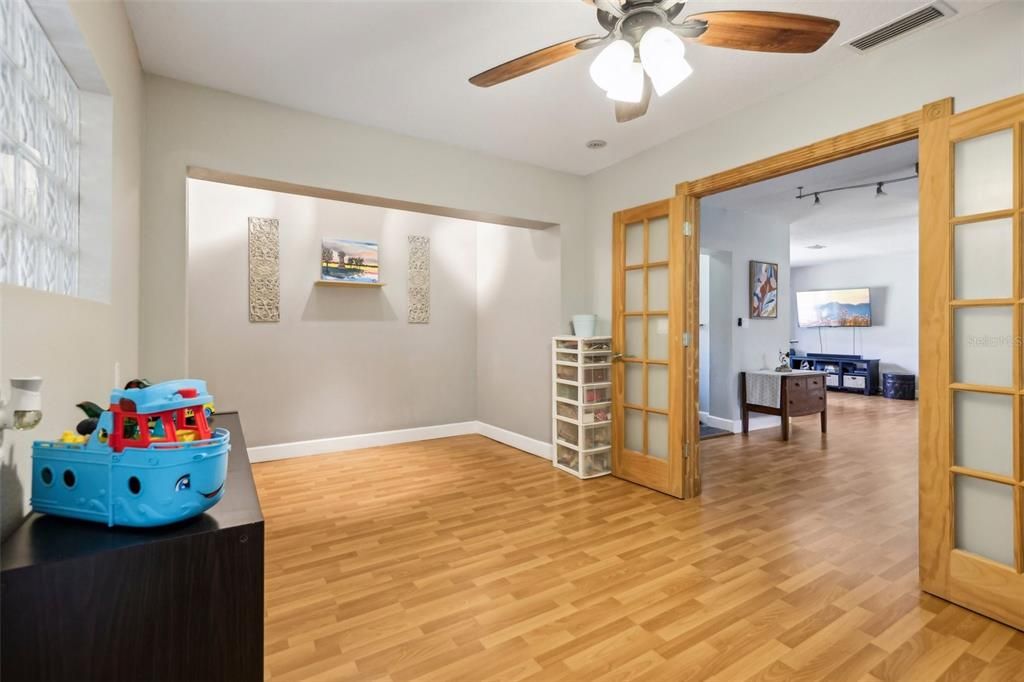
<point x="976" y="59"/>
<point x="756" y="345"/>
<point x="74" y="343"/>
<point x="892" y="336"/>
<point x="518" y="312"/>
<point x="191" y="125"/>
<point x="344" y="361"/>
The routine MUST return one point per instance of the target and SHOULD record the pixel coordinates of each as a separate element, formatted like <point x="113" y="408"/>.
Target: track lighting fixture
<point x="877" y="184"/>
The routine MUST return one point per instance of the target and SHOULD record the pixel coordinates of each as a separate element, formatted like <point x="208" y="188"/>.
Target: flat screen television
<point x="834" y="308"/>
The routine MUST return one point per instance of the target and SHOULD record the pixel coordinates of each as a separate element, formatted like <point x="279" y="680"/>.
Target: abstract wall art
<point x="419" y="279"/>
<point x="348" y="260"/>
<point x="764" y="290"/>
<point x="264" y="270"/>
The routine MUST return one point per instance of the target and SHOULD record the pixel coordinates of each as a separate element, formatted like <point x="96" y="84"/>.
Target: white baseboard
<point x="302" y="448"/>
<point x="515" y="440"/>
<point x="320" y="446"/>
<point x="757" y="422"/>
<point x="761" y="421"/>
<point x="717" y="422"/>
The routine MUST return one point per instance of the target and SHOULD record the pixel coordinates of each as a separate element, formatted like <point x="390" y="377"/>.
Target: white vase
<point x="583" y="325"/>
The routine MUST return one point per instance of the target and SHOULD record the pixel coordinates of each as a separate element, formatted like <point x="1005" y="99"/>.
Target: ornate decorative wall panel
<point x="419" y="279"/>
<point x="264" y="270"/>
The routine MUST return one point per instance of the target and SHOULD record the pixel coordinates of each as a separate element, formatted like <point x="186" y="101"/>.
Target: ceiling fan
<point x="644" y="50"/>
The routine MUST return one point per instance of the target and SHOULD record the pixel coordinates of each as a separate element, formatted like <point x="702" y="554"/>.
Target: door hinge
<point x="686" y="339"/>
<point x="687" y="229"/>
<point x="686" y="451"/>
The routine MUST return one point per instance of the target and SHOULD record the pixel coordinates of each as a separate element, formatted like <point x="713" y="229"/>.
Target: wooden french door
<point x="650" y="438"/>
<point x="972" y="388"/>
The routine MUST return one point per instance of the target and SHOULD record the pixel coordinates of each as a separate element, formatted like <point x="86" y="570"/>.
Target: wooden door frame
<point x="869" y="138"/>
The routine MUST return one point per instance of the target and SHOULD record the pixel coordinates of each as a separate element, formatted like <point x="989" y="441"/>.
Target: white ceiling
<point x="403" y="66"/>
<point x="850" y="224"/>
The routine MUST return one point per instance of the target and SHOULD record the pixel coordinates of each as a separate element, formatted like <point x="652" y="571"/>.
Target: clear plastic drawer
<point x="597" y="463"/>
<point x="568" y="433"/>
<point x="597" y="437"/>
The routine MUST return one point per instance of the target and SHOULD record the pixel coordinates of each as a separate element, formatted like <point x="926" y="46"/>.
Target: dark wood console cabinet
<point x="80" y="601"/>
<point x="800" y="394"/>
<point x="850" y="373"/>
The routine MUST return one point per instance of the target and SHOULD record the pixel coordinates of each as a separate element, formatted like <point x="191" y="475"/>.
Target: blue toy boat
<point x="151" y="460"/>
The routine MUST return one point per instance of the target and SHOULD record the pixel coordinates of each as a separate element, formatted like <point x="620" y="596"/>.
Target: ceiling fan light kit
<point x="643" y="50"/>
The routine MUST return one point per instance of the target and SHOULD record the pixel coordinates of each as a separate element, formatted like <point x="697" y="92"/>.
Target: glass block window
<point x="39" y="149"/>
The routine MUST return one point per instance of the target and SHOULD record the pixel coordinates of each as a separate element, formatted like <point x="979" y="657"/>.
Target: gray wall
<point x="704" y="359"/>
<point x="721" y="324"/>
<point x="191" y="125"/>
<point x="517" y="314"/>
<point x="742" y="237"/>
<point x="893" y="281"/>
<point x="344" y="361"/>
<point x="73" y="343"/>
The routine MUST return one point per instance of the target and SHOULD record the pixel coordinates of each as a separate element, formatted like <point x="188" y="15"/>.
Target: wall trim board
<point x="764" y="421"/>
<point x="322" y="446"/>
<point x="757" y="422"/>
<point x="515" y="440"/>
<point x="228" y="178"/>
<point x="718" y="422"/>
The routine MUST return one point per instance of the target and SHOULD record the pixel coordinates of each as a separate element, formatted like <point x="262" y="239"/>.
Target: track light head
<point x="817" y="199"/>
<point x="879" y="192"/>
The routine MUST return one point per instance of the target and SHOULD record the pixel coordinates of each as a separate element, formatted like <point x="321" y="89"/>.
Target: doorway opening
<point x="822" y="279"/>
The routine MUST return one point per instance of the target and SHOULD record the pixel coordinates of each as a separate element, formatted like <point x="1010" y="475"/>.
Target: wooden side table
<point x="800" y="393"/>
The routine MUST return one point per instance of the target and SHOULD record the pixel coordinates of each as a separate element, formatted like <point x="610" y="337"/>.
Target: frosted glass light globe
<point x="663" y="56"/>
<point x="611" y="64"/>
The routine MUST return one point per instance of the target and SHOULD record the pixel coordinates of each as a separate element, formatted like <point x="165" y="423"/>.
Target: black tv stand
<point x="849" y="373"/>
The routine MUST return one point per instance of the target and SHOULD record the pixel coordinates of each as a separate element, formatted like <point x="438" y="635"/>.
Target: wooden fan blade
<point x="628" y="111"/>
<point x="528" y="63"/>
<point x="765" y="31"/>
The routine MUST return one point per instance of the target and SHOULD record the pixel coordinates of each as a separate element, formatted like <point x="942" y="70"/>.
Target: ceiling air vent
<point x="902" y="26"/>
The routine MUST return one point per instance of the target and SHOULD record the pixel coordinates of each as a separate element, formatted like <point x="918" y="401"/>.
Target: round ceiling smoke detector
<point x="816" y="247"/>
<point x="597" y="144"/>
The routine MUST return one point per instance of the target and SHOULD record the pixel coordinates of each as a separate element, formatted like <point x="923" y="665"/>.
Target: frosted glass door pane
<point x="984" y="518"/>
<point x="657" y="238"/>
<point x="634" y="291"/>
<point x="657" y="435"/>
<point x="983" y="345"/>
<point x="984" y="259"/>
<point x="984" y="431"/>
<point x="633" y="431"/>
<point x="657" y="387"/>
<point x="634" y="337"/>
<point x="657" y="337"/>
<point x="634" y="383"/>
<point x="984" y="173"/>
<point x="634" y="243"/>
<point x="657" y="288"/>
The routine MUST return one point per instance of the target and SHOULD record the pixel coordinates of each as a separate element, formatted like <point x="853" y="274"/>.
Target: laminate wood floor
<point x="462" y="559"/>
